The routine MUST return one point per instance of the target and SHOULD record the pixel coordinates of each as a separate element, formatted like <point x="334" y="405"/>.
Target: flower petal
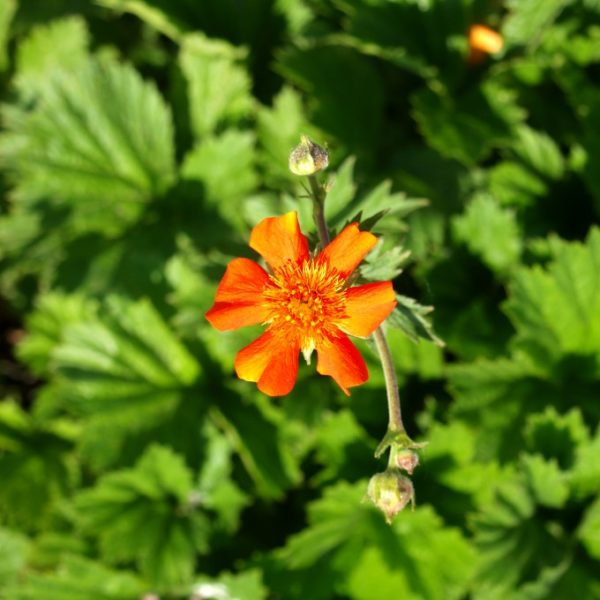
<point x="227" y="316"/>
<point x="348" y="248"/>
<point x="367" y="306"/>
<point x="279" y="239"/>
<point x="339" y="358"/>
<point x="271" y="361"/>
<point x="238" y="301"/>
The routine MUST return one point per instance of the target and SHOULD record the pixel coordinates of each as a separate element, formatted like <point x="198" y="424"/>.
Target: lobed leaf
<point x="87" y="144"/>
<point x="148" y="514"/>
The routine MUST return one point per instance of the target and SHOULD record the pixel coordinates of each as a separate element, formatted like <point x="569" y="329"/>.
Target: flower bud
<point x="483" y="41"/>
<point x="307" y="157"/>
<point x="406" y="460"/>
<point x="390" y="492"/>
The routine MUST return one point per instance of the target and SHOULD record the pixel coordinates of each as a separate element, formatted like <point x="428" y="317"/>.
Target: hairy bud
<point x="307" y="157"/>
<point x="406" y="460"/>
<point x="390" y="492"/>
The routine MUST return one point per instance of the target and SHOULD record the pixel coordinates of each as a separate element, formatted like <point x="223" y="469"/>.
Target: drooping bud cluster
<point x="391" y="491"/>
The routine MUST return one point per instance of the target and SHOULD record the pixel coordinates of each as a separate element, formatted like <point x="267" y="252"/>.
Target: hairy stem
<point x="318" y="194"/>
<point x="395" y="423"/>
<point x="391" y="381"/>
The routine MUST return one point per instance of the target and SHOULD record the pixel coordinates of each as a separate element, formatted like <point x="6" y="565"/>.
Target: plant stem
<point x="318" y="194"/>
<point x="395" y="423"/>
<point x="391" y="381"/>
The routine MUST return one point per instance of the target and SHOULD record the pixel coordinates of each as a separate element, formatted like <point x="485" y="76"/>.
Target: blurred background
<point x="140" y="140"/>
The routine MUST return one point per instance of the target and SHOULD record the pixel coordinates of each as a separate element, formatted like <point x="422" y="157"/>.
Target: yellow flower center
<point x="306" y="300"/>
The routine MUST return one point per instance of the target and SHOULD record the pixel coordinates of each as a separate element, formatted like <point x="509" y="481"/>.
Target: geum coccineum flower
<point x="306" y="302"/>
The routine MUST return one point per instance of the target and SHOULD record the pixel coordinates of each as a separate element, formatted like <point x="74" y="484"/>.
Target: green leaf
<point x="215" y="485"/>
<point x="339" y="442"/>
<point x="469" y="126"/>
<point x="535" y="163"/>
<point x="490" y="232"/>
<point x="557" y="437"/>
<point x="341" y="190"/>
<point x="331" y="518"/>
<point x="13" y="556"/>
<point x="451" y="469"/>
<point x="539" y="152"/>
<point x="346" y="93"/>
<point x="36" y="466"/>
<point x="148" y="514"/>
<point x="61" y="45"/>
<point x="7" y="12"/>
<point x="80" y="579"/>
<point x="424" y="360"/>
<point x="371" y="207"/>
<point x="354" y="539"/>
<point x="52" y="547"/>
<point x="424" y="37"/>
<point x="549" y="485"/>
<point x="297" y="14"/>
<point x="258" y="439"/>
<point x="528" y="19"/>
<point x="171" y="24"/>
<point x="246" y="585"/>
<point x="589" y="529"/>
<point x="495" y="396"/>
<point x="423" y="568"/>
<point x="516" y="185"/>
<point x="514" y="546"/>
<point x="585" y="474"/>
<point x="224" y="166"/>
<point x="218" y="85"/>
<point x="87" y="145"/>
<point x="556" y="308"/>
<point x="383" y="265"/>
<point x="193" y="291"/>
<point x="45" y="327"/>
<point x="125" y="368"/>
<point x="411" y="318"/>
<point x="134" y="342"/>
<point x="279" y="128"/>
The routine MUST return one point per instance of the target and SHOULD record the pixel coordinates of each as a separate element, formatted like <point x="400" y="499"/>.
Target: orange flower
<point x="307" y="304"/>
<point x="482" y="41"/>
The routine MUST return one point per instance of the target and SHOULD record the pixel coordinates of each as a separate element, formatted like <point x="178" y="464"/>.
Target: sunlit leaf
<point x="13" y="553"/>
<point x="490" y="232"/>
<point x="36" y="466"/>
<point x="148" y="514"/>
<point x="80" y="579"/>
<point x="87" y="146"/>
<point x="218" y="85"/>
<point x="7" y="11"/>
<point x="61" y="45"/>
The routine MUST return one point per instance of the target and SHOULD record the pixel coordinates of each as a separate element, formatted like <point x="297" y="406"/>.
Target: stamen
<point x="305" y="300"/>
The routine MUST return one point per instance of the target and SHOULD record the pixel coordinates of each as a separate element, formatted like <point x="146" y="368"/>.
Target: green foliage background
<point x="140" y="141"/>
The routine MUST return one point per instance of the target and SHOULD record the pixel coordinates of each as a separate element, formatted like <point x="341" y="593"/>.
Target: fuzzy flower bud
<point x="390" y="492"/>
<point x="406" y="460"/>
<point x="307" y="157"/>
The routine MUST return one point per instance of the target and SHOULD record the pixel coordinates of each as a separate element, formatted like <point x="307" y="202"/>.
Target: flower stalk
<point x="395" y="424"/>
<point x="318" y="197"/>
<point x="390" y="491"/>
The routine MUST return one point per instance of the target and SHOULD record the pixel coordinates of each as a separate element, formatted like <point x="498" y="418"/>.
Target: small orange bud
<point x="482" y="41"/>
